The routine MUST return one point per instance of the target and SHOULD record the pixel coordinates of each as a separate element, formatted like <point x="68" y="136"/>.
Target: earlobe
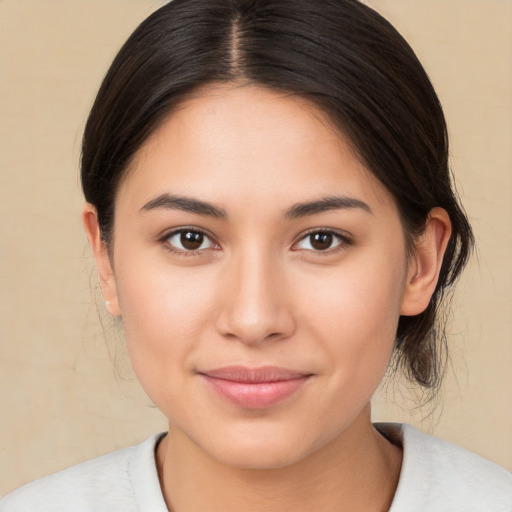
<point x="102" y="258"/>
<point x="425" y="265"/>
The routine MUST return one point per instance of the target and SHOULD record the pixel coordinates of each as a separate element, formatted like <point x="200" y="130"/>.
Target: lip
<point x="254" y="388"/>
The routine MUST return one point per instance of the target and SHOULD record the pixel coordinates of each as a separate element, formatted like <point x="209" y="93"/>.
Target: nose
<point x="256" y="305"/>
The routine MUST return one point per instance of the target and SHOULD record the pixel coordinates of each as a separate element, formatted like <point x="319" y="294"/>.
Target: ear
<point x="102" y="257"/>
<point x="425" y="264"/>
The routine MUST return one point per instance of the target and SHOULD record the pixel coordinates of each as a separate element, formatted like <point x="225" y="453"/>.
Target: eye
<point x="189" y="240"/>
<point x="322" y="241"/>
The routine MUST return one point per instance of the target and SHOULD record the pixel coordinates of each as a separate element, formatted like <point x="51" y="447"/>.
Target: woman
<point x="270" y="210"/>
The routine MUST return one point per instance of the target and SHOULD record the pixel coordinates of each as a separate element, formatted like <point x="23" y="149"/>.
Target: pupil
<point x="321" y="241"/>
<point x="191" y="240"/>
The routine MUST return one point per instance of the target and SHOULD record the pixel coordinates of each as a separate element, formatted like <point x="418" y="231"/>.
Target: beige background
<point x="61" y="401"/>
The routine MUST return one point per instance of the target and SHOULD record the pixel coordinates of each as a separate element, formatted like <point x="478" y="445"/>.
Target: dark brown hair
<point x="339" y="54"/>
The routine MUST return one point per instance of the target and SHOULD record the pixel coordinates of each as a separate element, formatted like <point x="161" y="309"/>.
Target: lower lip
<point x="258" y="395"/>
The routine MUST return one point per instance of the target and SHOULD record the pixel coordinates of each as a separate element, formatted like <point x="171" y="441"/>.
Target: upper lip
<point x="254" y="375"/>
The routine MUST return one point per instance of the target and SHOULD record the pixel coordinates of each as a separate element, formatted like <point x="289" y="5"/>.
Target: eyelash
<point x="164" y="240"/>
<point x="344" y="241"/>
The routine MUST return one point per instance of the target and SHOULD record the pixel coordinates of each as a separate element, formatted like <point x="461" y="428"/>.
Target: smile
<point x="256" y="388"/>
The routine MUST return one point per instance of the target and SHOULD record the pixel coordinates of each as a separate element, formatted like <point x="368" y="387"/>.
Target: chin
<point x="260" y="447"/>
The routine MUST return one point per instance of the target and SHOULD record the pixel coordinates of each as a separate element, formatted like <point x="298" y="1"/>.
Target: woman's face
<point x="260" y="273"/>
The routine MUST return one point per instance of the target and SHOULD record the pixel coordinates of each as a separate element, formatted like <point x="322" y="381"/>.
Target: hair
<point x="339" y="54"/>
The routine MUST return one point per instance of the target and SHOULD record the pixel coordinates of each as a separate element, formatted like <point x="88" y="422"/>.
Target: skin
<point x="257" y="293"/>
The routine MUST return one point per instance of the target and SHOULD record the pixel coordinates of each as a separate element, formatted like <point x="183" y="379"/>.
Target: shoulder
<point x="111" y="483"/>
<point x="439" y="476"/>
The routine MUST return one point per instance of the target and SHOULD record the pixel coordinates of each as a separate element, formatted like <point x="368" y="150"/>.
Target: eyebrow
<point x="325" y="204"/>
<point x="298" y="210"/>
<point x="186" y="204"/>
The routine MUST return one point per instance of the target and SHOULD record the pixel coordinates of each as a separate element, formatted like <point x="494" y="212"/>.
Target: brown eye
<point x="189" y="240"/>
<point x="322" y="241"/>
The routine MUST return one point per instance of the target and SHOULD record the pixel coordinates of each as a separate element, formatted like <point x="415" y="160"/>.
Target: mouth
<point x="254" y="388"/>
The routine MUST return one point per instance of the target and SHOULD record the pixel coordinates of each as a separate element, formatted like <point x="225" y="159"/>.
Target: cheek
<point x="165" y="311"/>
<point x="355" y="310"/>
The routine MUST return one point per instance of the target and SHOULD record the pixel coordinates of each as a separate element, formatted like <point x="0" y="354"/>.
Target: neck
<point x="356" y="471"/>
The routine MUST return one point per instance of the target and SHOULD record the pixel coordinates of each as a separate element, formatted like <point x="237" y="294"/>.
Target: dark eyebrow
<point x="185" y="204"/>
<point x="325" y="204"/>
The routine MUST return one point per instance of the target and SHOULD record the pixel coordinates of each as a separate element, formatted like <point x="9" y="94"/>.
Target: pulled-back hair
<point x="339" y="54"/>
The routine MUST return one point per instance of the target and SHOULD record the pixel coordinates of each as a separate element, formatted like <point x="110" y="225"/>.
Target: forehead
<point x="249" y="142"/>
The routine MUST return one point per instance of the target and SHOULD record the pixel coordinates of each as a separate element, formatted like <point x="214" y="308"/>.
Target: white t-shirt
<point x="435" y="477"/>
